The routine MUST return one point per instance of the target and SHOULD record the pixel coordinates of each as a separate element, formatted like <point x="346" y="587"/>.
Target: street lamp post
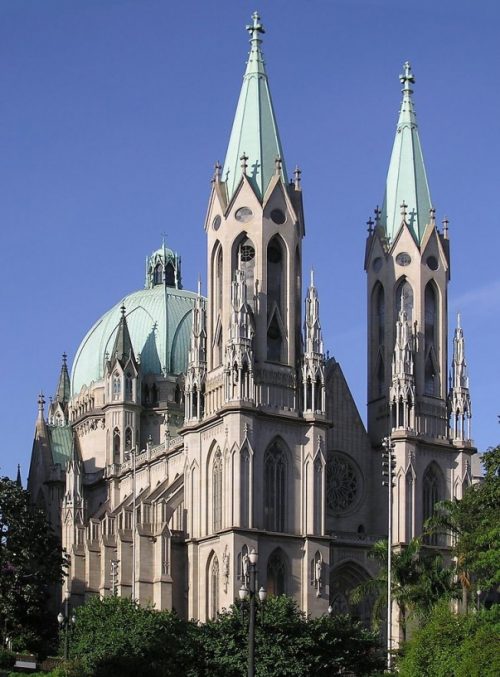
<point x="65" y="622"/>
<point x="250" y="592"/>
<point x="388" y="465"/>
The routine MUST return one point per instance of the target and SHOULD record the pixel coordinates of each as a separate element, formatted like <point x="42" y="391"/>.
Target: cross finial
<point x="244" y="162"/>
<point x="296" y="175"/>
<point x="277" y="164"/>
<point x="407" y="78"/>
<point x="404" y="211"/>
<point x="255" y="27"/>
<point x="369" y="223"/>
<point x="377" y="213"/>
<point x="445" y="228"/>
<point x="432" y="214"/>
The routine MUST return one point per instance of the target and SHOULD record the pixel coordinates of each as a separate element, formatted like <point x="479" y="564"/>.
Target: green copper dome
<point x="159" y="322"/>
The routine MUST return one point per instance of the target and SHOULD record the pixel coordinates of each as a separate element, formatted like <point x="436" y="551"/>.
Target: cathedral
<point x="191" y="430"/>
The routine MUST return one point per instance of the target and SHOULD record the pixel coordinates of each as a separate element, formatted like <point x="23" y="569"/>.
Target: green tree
<point x="454" y="645"/>
<point x="30" y="563"/>
<point x="474" y="526"/>
<point x="418" y="581"/>
<point x="115" y="636"/>
<point x="287" y="644"/>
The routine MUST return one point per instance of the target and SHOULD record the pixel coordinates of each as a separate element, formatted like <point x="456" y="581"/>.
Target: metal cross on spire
<point x="406" y="78"/>
<point x="255" y="28"/>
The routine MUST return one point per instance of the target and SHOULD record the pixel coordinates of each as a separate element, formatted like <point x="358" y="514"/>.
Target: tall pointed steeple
<point x="122" y="349"/>
<point x="254" y="144"/>
<point x="459" y="398"/>
<point x="63" y="391"/>
<point x="406" y="178"/>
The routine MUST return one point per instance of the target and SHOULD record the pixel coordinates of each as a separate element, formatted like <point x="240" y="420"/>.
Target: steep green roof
<point x="254" y="134"/>
<point x="63" y="385"/>
<point x="61" y="441"/>
<point x="406" y="178"/>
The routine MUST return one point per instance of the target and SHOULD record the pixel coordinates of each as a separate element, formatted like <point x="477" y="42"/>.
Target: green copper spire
<point x="406" y="179"/>
<point x="254" y="144"/>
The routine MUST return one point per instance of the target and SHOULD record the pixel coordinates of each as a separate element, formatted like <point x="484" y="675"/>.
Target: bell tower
<point x="407" y="263"/>
<point x="258" y="447"/>
<point x="408" y="270"/>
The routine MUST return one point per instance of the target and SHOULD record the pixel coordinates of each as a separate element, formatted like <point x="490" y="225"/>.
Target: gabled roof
<point x="406" y="178"/>
<point x="254" y="139"/>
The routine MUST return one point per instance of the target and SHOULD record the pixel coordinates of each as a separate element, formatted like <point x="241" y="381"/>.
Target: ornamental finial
<point x="296" y="175"/>
<point x="217" y="172"/>
<point x="277" y="165"/>
<point x="445" y="228"/>
<point x="244" y="163"/>
<point x="407" y="78"/>
<point x="404" y="211"/>
<point x="255" y="28"/>
<point x="122" y="310"/>
<point x="432" y="216"/>
<point x="369" y="223"/>
<point x="377" y="213"/>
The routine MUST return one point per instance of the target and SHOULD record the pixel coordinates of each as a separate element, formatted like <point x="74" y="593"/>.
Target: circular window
<point x="243" y="214"/>
<point x="247" y="252"/>
<point x="342" y="484"/>
<point x="432" y="262"/>
<point x="377" y="264"/>
<point x="216" y="222"/>
<point x="403" y="259"/>
<point x="278" y="216"/>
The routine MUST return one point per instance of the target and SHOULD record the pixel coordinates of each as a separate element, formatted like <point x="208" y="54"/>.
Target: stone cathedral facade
<point x="194" y="429"/>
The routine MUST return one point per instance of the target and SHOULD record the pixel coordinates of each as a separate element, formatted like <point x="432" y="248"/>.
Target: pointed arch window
<point x="158" y="274"/>
<point x="276" y="301"/>
<point x="245" y="261"/>
<point x="245" y="487"/>
<point x="217" y="491"/>
<point x="129" y="386"/>
<point x="430" y="301"/>
<point x="170" y="275"/>
<point x="275" y="481"/>
<point x="116" y="386"/>
<point x="404" y="292"/>
<point x="213" y="586"/>
<point x="277" y="573"/>
<point x="433" y="492"/>
<point x="217" y="297"/>
<point x="116" y="445"/>
<point x="128" y="439"/>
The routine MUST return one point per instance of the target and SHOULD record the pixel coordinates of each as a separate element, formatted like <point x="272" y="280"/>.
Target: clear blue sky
<point x="113" y="112"/>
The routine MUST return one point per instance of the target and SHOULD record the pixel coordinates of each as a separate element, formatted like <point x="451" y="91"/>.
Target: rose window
<point x="341" y="484"/>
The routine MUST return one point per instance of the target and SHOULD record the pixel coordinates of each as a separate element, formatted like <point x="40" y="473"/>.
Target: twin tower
<point x="269" y="451"/>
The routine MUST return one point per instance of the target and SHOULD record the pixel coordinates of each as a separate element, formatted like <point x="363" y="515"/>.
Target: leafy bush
<point x="451" y="645"/>
<point x="7" y="658"/>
